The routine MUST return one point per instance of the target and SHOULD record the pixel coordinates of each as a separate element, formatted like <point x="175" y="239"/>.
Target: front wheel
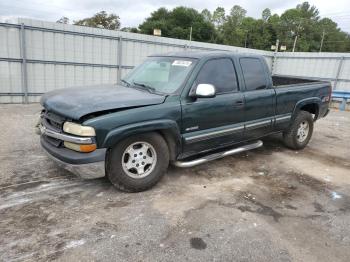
<point x="300" y="132"/>
<point x="138" y="162"/>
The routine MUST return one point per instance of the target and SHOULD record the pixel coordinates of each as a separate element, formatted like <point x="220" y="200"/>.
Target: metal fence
<point x="37" y="56"/>
<point x="334" y="67"/>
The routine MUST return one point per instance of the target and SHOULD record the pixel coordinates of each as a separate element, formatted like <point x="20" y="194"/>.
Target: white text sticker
<point x="181" y="63"/>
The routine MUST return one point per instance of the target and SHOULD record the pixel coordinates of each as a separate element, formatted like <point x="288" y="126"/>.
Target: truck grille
<point x="54" y="122"/>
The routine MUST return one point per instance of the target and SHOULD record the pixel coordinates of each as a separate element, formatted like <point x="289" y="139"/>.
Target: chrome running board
<point x="208" y="158"/>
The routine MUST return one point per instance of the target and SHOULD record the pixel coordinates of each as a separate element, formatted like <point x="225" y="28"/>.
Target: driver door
<point x="209" y="123"/>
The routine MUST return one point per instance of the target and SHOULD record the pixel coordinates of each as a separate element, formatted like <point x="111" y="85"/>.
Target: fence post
<point x="24" y="63"/>
<point x="275" y="56"/>
<point x="274" y="59"/>
<point x="119" y="59"/>
<point x="340" y="65"/>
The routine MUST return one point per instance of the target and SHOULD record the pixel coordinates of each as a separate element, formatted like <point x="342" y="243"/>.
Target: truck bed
<point x="282" y="81"/>
<point x="291" y="90"/>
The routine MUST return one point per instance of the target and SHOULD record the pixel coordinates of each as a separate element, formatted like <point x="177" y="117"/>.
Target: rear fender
<point x="307" y="101"/>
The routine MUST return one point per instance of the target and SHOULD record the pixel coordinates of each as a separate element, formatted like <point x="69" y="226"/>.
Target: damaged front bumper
<point x="85" y="165"/>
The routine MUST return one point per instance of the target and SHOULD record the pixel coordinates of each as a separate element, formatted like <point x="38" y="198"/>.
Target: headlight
<point x="79" y="130"/>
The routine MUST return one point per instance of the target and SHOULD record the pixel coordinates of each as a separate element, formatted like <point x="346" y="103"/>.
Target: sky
<point x="132" y="13"/>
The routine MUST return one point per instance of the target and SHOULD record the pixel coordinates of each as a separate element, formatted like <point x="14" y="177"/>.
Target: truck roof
<point x="202" y="54"/>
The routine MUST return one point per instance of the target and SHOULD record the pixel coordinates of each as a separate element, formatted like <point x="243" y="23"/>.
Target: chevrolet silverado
<point x="183" y="108"/>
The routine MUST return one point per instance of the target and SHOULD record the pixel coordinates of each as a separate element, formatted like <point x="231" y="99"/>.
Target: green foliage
<point x="219" y="17"/>
<point x="266" y="14"/>
<point x="207" y="15"/>
<point x="101" y="20"/>
<point x="301" y="23"/>
<point x="177" y="23"/>
<point x="63" y="20"/>
<point x="130" y="29"/>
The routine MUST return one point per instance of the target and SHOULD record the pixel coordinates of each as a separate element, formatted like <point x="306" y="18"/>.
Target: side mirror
<point x="204" y="91"/>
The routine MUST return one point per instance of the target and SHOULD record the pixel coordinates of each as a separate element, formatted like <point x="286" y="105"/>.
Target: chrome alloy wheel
<point x="303" y="131"/>
<point x="139" y="159"/>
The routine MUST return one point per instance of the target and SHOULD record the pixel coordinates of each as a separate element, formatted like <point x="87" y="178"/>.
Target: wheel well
<point x="311" y="108"/>
<point x="169" y="138"/>
<point x="171" y="142"/>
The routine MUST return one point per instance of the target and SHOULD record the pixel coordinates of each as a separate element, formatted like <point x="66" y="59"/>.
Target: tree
<point x="307" y="11"/>
<point x="176" y="23"/>
<point x="130" y="29"/>
<point x="300" y="27"/>
<point x="101" y="20"/>
<point x="157" y="20"/>
<point x="207" y="15"/>
<point x="219" y="16"/>
<point x="218" y="19"/>
<point x="237" y="13"/>
<point x="63" y="20"/>
<point x="266" y="14"/>
<point x="232" y="29"/>
<point x="334" y="39"/>
<point x="302" y="23"/>
<point x="272" y="31"/>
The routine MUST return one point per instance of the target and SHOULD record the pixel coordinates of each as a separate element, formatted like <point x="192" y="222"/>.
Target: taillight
<point x="328" y="96"/>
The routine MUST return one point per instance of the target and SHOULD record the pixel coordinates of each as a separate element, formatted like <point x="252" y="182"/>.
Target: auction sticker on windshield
<point x="185" y="63"/>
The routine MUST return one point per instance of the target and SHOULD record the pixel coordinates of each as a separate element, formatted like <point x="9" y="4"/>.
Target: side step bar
<point x="208" y="158"/>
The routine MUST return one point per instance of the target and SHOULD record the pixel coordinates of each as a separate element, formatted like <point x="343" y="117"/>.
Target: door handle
<point x="239" y="103"/>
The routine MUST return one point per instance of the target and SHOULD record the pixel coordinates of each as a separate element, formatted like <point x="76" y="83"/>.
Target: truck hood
<point x="77" y="102"/>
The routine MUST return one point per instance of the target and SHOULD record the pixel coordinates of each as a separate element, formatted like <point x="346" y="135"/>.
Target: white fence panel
<point x="42" y="56"/>
<point x="334" y="67"/>
<point x="345" y="69"/>
<point x="9" y="42"/>
<point x="10" y="77"/>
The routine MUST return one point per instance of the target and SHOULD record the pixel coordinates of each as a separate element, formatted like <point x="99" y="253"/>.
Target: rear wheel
<point x="300" y="132"/>
<point x="138" y="162"/>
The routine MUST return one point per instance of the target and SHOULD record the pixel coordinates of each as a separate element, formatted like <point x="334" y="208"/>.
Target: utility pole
<point x="245" y="40"/>
<point x="295" y="42"/>
<point x="191" y="33"/>
<point x="296" y="37"/>
<point x="277" y="45"/>
<point x="322" y="40"/>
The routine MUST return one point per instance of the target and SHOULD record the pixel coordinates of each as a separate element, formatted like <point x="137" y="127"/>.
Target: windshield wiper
<point x="147" y="87"/>
<point x="125" y="82"/>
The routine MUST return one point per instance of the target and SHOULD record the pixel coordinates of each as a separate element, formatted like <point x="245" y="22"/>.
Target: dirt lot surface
<point x="270" y="204"/>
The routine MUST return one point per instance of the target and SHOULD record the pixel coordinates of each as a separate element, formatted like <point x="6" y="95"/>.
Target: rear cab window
<point x="253" y="73"/>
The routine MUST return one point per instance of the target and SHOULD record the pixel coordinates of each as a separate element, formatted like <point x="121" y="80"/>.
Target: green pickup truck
<point x="182" y="108"/>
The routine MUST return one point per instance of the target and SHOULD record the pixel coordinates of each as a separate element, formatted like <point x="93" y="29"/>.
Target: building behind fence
<point x="37" y="57"/>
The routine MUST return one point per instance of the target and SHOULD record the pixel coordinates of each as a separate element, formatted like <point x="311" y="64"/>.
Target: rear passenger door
<point x="259" y="97"/>
<point x="208" y="123"/>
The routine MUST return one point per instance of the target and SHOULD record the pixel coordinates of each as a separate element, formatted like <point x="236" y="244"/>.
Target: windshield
<point x="160" y="74"/>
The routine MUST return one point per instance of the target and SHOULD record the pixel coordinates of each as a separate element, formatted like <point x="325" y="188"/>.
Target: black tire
<point x="290" y="137"/>
<point x="120" y="178"/>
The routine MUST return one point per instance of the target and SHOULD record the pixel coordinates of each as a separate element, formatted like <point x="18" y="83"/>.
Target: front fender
<point x="118" y="134"/>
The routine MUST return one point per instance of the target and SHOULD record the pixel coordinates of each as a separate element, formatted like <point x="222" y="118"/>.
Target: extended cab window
<point x="220" y="73"/>
<point x="253" y="73"/>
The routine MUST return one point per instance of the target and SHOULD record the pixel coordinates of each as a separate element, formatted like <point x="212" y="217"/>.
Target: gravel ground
<point x="270" y="204"/>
